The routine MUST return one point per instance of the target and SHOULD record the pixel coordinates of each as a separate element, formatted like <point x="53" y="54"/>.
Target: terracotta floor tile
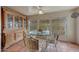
<point x="61" y="47"/>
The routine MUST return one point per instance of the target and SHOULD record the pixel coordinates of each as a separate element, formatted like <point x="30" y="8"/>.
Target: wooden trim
<point x="2" y="19"/>
<point x="3" y="41"/>
<point x="9" y="10"/>
<point x="23" y="23"/>
<point x="26" y="22"/>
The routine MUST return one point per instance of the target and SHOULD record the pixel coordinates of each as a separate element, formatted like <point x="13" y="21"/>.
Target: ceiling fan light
<point x="41" y="12"/>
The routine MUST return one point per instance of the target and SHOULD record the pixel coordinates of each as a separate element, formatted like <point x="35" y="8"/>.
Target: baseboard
<point x="68" y="42"/>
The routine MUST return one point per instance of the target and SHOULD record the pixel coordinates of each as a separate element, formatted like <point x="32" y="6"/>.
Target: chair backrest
<point x="31" y="45"/>
<point x="57" y="37"/>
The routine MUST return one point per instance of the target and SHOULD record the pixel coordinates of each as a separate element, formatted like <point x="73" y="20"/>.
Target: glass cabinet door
<point x="9" y="22"/>
<point x="16" y="23"/>
<point x="25" y="24"/>
<point x="20" y="23"/>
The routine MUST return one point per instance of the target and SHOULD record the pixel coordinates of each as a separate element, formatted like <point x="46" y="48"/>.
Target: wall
<point x="49" y="16"/>
<point x="77" y="27"/>
<point x="0" y="28"/>
<point x="65" y="15"/>
<point x="70" y="30"/>
<point x="77" y="30"/>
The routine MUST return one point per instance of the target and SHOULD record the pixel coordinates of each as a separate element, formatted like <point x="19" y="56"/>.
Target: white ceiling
<point x="32" y="10"/>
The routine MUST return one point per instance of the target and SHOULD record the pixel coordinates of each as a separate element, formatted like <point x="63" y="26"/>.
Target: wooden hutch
<point x="13" y="25"/>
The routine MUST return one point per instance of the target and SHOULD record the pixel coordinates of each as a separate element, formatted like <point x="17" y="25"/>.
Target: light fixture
<point x="75" y="15"/>
<point x="40" y="11"/>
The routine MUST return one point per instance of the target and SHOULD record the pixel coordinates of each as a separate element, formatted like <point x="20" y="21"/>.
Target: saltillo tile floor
<point x="60" y="47"/>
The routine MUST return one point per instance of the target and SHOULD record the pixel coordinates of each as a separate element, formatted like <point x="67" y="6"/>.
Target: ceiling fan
<point x="39" y="9"/>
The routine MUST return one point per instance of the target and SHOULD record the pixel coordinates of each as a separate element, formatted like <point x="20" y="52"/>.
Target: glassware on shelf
<point x="10" y="19"/>
<point x="16" y="23"/>
<point x="20" y="22"/>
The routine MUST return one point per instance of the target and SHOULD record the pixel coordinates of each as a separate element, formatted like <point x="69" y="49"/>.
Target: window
<point x="10" y="18"/>
<point x="32" y="27"/>
<point x="58" y="26"/>
<point x="44" y="27"/>
<point x="39" y="27"/>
